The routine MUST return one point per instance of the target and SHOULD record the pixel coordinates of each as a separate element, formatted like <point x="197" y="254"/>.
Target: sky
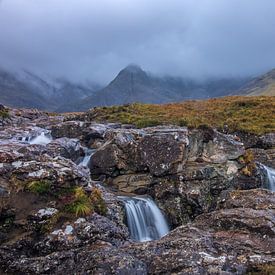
<point x="94" y="39"/>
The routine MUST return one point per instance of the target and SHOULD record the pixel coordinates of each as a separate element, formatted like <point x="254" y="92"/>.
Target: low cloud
<point x="88" y="39"/>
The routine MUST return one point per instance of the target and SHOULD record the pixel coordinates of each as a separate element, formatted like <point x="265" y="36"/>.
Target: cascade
<point x="42" y="139"/>
<point x="144" y="218"/>
<point x="85" y="161"/>
<point x="269" y="176"/>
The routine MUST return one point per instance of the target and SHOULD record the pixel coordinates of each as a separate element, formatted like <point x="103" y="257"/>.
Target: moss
<point x="39" y="187"/>
<point x="248" y="114"/>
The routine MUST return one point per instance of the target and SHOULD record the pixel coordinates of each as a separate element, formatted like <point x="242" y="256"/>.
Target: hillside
<point x="28" y="90"/>
<point x="250" y="114"/>
<point x="133" y="84"/>
<point x="262" y="85"/>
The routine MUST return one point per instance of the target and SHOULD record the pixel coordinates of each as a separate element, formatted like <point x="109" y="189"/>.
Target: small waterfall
<point x="269" y="175"/>
<point x="42" y="139"/>
<point x="85" y="161"/>
<point x="144" y="218"/>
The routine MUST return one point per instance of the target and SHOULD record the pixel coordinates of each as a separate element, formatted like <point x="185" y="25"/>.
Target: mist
<point x="92" y="40"/>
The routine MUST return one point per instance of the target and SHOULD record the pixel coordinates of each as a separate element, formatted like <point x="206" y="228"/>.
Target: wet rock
<point x="66" y="147"/>
<point x="206" y="246"/>
<point x="264" y="156"/>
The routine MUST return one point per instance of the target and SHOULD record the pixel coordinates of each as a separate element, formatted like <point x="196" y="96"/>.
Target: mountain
<point x="16" y="92"/>
<point x="262" y="85"/>
<point x="26" y="89"/>
<point x="132" y="84"/>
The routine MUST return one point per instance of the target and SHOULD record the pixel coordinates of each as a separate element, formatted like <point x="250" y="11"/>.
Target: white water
<point x="269" y="177"/>
<point x="144" y="218"/>
<point x="42" y="139"/>
<point x="85" y="161"/>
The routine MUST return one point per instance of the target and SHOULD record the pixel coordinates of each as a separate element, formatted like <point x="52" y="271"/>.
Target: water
<point x="85" y="161"/>
<point x="144" y="218"/>
<point x="42" y="139"/>
<point x="269" y="175"/>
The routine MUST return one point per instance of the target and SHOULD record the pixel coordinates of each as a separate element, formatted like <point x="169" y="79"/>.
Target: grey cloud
<point x="88" y="39"/>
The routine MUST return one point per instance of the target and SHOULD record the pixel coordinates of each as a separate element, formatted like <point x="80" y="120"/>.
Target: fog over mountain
<point x="132" y="84"/>
<point x="93" y="40"/>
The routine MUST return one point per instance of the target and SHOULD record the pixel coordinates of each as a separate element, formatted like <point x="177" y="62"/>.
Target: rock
<point x="163" y="152"/>
<point x="267" y="141"/>
<point x="66" y="147"/>
<point x="156" y="150"/>
<point x="264" y="156"/>
<point x="226" y="241"/>
<point x="69" y="129"/>
<point x="220" y="148"/>
<point x="133" y="183"/>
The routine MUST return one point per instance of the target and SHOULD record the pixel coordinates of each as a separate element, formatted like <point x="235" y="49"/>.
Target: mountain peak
<point x="133" y="68"/>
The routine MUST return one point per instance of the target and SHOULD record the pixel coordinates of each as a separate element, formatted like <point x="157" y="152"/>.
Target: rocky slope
<point x="57" y="216"/>
<point x="262" y="85"/>
<point x="31" y="91"/>
<point x="132" y="84"/>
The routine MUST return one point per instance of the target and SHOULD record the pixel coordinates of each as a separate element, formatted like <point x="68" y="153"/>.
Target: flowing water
<point x="85" y="161"/>
<point x="269" y="176"/>
<point x="42" y="139"/>
<point x="144" y="218"/>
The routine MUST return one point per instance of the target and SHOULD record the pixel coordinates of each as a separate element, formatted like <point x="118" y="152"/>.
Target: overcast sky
<point x="94" y="39"/>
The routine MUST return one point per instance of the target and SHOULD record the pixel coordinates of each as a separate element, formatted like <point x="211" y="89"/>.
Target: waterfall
<point x="144" y="218"/>
<point x="85" y="161"/>
<point x="269" y="175"/>
<point x="42" y="139"/>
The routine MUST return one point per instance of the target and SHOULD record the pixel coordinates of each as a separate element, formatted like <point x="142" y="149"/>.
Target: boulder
<point x="69" y="129"/>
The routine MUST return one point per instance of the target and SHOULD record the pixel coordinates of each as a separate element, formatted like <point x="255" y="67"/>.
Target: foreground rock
<point x="232" y="240"/>
<point x="184" y="170"/>
<point x="55" y="218"/>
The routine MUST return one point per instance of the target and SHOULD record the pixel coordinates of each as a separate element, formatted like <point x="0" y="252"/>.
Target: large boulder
<point x="158" y="151"/>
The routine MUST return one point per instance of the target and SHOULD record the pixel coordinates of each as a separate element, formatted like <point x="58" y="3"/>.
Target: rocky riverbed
<point x="62" y="214"/>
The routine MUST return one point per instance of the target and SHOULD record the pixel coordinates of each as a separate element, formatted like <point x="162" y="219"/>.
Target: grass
<point x="4" y="114"/>
<point x="39" y="187"/>
<point x="80" y="203"/>
<point x="249" y="114"/>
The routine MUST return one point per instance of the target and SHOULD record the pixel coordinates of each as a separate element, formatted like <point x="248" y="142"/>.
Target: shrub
<point x="248" y="160"/>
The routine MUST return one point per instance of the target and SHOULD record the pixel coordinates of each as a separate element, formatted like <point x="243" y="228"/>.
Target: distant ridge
<point x="132" y="84"/>
<point x="262" y="85"/>
<point x="25" y="89"/>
